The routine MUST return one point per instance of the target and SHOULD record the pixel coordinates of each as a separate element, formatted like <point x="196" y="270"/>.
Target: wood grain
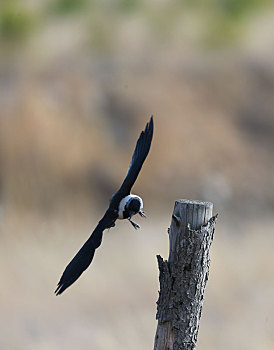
<point x="183" y="277"/>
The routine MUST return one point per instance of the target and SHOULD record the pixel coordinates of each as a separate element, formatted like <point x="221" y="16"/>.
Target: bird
<point x="123" y="205"/>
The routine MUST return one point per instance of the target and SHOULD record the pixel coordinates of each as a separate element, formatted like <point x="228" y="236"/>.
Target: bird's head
<point x="134" y="205"/>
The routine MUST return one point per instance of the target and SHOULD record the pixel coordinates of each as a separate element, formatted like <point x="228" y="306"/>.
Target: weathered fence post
<point x="183" y="277"/>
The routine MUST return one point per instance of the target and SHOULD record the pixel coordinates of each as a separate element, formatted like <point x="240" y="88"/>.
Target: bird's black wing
<point x="138" y="158"/>
<point x="84" y="257"/>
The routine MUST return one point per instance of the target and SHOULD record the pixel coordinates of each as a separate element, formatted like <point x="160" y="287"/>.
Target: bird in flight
<point x="123" y="205"/>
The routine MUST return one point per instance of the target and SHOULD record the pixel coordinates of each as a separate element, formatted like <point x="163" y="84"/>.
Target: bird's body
<point x="123" y="205"/>
<point x="133" y="201"/>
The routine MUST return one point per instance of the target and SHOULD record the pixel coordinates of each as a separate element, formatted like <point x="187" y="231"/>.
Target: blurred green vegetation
<point x="64" y="7"/>
<point x="129" y="5"/>
<point x="16" y="21"/>
<point x="220" y="21"/>
<point x="228" y="18"/>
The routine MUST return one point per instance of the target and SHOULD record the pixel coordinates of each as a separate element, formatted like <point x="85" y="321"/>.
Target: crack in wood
<point x="184" y="276"/>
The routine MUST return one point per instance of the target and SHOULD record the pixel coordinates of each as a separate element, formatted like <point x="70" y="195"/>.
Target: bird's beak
<point x="142" y="214"/>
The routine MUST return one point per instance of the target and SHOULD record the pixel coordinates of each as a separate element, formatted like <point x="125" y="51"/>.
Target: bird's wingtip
<point x="150" y="124"/>
<point x="58" y="290"/>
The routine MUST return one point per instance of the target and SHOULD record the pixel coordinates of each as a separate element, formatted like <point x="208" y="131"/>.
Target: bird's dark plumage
<point x="83" y="258"/>
<point x="138" y="158"/>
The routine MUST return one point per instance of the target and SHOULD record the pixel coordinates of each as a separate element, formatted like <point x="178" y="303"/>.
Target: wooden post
<point x="183" y="277"/>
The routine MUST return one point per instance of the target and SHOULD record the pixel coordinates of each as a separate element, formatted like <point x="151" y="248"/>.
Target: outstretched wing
<point x="138" y="158"/>
<point x="80" y="262"/>
<point x="84" y="257"/>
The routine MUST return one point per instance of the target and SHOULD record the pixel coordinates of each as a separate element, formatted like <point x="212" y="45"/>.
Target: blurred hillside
<point x="78" y="81"/>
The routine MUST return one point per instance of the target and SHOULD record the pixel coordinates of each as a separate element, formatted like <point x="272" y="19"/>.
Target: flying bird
<point x="123" y="205"/>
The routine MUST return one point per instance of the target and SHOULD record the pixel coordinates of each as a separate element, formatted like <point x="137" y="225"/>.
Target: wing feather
<point x="84" y="257"/>
<point x="140" y="153"/>
<point x="80" y="262"/>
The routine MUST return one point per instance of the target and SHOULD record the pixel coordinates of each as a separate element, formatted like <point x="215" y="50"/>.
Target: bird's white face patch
<point x="124" y="202"/>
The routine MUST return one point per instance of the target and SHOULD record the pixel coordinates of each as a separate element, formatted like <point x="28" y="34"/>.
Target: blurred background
<point x="78" y="81"/>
